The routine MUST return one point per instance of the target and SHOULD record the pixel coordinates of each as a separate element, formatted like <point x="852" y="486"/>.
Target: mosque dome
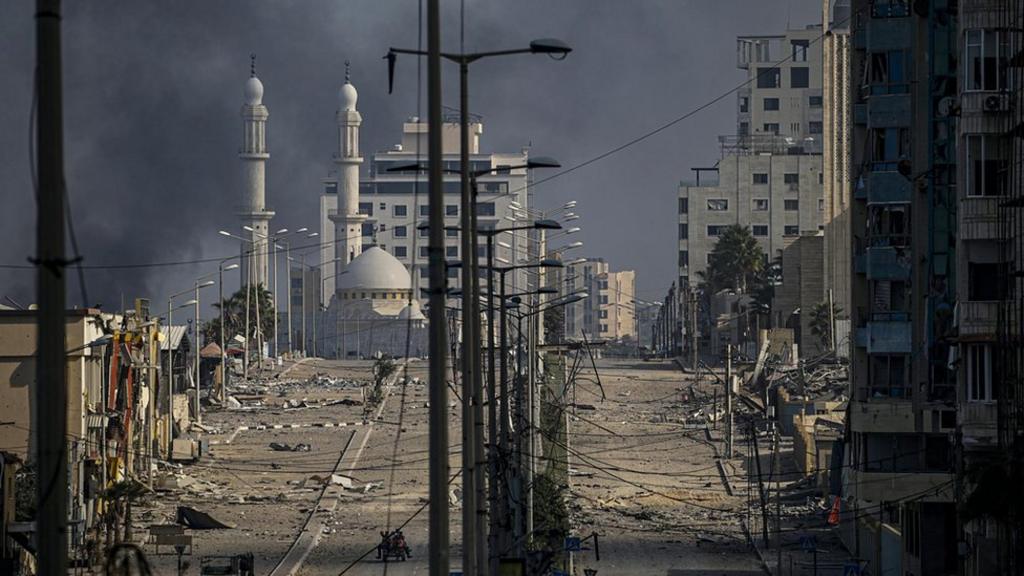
<point x="347" y="97"/>
<point x="375" y="269"/>
<point x="253" y="91"/>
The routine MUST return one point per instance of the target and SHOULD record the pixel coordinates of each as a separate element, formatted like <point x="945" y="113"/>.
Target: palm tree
<point x="234" y="315"/>
<point x="735" y="262"/>
<point x="821" y="322"/>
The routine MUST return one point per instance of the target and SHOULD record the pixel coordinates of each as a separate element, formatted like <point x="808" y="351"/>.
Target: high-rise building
<point x="769" y="176"/>
<point x="836" y="122"/>
<point x="899" y="485"/>
<point x="989" y="256"/>
<point x="253" y="206"/>
<point x="609" y="311"/>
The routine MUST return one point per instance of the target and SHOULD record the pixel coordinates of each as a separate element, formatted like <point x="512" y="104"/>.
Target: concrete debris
<point x="343" y="481"/>
<point x="455" y="496"/>
<point x="233" y="403"/>
<point x="280" y="447"/>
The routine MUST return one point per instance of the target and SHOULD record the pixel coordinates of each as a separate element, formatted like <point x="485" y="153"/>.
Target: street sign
<point x="572" y="544"/>
<point x="808" y="543"/>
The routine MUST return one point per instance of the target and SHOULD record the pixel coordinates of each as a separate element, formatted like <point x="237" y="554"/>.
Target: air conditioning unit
<point x="996" y="103"/>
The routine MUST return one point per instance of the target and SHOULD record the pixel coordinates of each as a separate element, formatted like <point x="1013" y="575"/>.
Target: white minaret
<point x="253" y="210"/>
<point x="348" y="222"/>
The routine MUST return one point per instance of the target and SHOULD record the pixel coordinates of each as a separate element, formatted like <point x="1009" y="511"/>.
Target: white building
<point x="252" y="210"/>
<point x="769" y="177"/>
<point x="609" y="311"/>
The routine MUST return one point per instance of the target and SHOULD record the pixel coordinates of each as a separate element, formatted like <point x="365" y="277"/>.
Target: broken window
<point x="718" y="204"/>
<point x="887" y="73"/>
<point x="769" y="77"/>
<point x="889" y="225"/>
<point x="889" y="146"/>
<point x="889" y="376"/>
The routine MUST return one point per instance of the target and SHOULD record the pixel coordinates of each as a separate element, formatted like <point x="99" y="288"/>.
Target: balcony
<point x="888" y="188"/>
<point x="979" y="424"/>
<point x="889" y="29"/>
<point x="888" y="337"/>
<point x="978" y="320"/>
<point x="753" y="144"/>
<point x="887" y="263"/>
<point x="889" y="111"/>
<point x="979" y="217"/>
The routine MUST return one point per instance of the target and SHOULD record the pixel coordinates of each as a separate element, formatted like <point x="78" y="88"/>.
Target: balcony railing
<point x="978" y="318"/>
<point x="750" y="144"/>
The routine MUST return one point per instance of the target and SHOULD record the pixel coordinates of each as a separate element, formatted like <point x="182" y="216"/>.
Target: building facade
<point x="769" y="176"/>
<point x="609" y="311"/>
<point x="899" y="485"/>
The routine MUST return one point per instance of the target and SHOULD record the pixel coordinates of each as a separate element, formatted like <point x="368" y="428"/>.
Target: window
<point x="771" y="104"/>
<point x="366" y="208"/>
<point x="987" y="167"/>
<point x="815" y="127"/>
<point x="760" y="177"/>
<point x="684" y="205"/>
<point x="451" y="251"/>
<point x="451" y="233"/>
<point x="791" y="205"/>
<point x="889" y="146"/>
<point x="684" y="231"/>
<point x="684" y="258"/>
<point x="367" y="229"/>
<point x="799" y="77"/>
<point x="979" y="373"/>
<point x="791" y="231"/>
<point x="814" y="101"/>
<point x="603" y="315"/>
<point x="759" y="204"/>
<point x="985" y="281"/>
<point x="760" y="229"/>
<point x="715" y="230"/>
<point x="887" y="72"/>
<point x="744" y="104"/>
<point x="401" y="251"/>
<point x="800" y="50"/>
<point x="771" y="128"/>
<point x="400" y="232"/>
<point x="985" y="56"/>
<point x="383" y="206"/>
<point x="424" y="253"/>
<point x="485" y="209"/>
<point x="769" y="78"/>
<point x="604" y="299"/>
<point x="400" y="210"/>
<point x="718" y="204"/>
<point x="451" y="210"/>
<point x="791" y="178"/>
<point x="604" y="327"/>
<point x="888" y="376"/>
<point x="890" y="9"/>
<point x="382" y="227"/>
<point x="424" y="210"/>
<point x="424" y="231"/>
<point x="821" y="204"/>
<point x="744" y="128"/>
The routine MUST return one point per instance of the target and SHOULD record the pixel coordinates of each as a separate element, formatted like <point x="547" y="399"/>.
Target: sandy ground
<point x="642" y="480"/>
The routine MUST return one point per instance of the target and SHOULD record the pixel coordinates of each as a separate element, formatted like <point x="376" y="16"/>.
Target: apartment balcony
<point x="979" y="217"/>
<point x="889" y="29"/>
<point x="887" y="262"/>
<point x="978" y="320"/>
<point x="896" y="486"/>
<point x="887" y="337"/>
<point x="979" y="424"/>
<point x="889" y="111"/>
<point x="754" y="144"/>
<point x="888" y="188"/>
<point x="893" y="415"/>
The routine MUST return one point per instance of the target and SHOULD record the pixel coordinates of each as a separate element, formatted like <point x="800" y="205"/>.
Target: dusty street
<point x="641" y="479"/>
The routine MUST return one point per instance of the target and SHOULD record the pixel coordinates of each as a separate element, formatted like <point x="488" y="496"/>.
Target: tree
<point x="234" y="316"/>
<point x="821" y="322"/>
<point x="736" y="262"/>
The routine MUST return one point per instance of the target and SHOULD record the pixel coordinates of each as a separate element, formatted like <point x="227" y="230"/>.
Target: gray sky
<point x="153" y="92"/>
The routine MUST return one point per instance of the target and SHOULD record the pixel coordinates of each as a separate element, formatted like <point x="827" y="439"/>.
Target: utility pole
<point x="438" y="289"/>
<point x="831" y="322"/>
<point x="728" y="401"/>
<point x="50" y="262"/>
<point x="693" y="330"/>
<point x="195" y="357"/>
<point x="760" y="488"/>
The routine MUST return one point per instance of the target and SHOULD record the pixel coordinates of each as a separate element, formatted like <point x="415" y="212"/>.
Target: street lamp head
<point x="224" y="233"/>
<point x="547" y="290"/>
<point x="192" y="302"/>
<point x="570" y="218"/>
<point x="247" y="228"/>
<point x="573" y="230"/>
<point x="514" y="204"/>
<point x="543" y="162"/>
<point x="550" y="46"/>
<point x="546" y="225"/>
<point x="313" y="235"/>
<point x="551" y="263"/>
<point x="301" y="230"/>
<point x="231" y="267"/>
<point x="281" y="231"/>
<point x="569" y="204"/>
<point x="205" y="284"/>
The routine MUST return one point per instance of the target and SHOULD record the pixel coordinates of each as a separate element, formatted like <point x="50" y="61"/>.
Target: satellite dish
<point x="947" y="107"/>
